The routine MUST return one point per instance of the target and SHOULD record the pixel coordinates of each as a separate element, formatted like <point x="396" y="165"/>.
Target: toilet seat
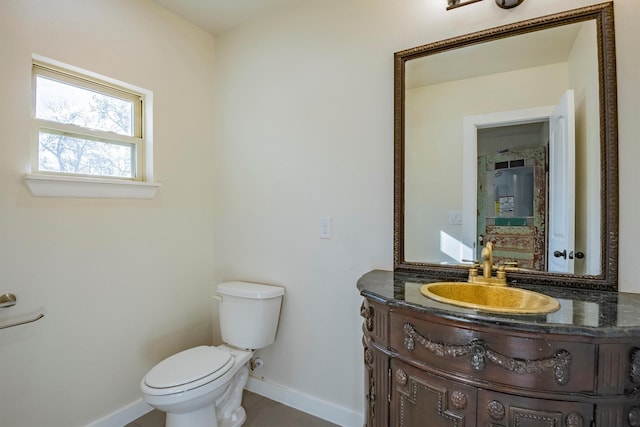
<point x="187" y="370"/>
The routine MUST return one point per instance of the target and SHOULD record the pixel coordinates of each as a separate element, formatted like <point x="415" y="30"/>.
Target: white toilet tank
<point x="249" y="313"/>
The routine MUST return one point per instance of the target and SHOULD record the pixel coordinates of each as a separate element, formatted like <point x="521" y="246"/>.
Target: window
<point x="87" y="127"/>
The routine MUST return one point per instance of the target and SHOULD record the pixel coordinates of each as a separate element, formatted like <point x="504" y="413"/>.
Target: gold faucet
<point x="487" y="269"/>
<point x="487" y="260"/>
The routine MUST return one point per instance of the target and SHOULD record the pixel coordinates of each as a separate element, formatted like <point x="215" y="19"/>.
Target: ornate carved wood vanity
<point x="433" y="364"/>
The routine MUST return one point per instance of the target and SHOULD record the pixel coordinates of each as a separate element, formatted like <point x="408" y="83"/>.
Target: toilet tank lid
<point x="249" y="290"/>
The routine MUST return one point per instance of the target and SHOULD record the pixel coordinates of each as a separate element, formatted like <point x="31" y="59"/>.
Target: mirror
<point x="509" y="135"/>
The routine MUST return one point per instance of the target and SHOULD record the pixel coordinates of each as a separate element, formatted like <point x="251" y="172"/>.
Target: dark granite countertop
<point x="582" y="312"/>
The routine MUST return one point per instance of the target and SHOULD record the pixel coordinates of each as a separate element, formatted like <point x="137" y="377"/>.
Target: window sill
<point x="63" y="186"/>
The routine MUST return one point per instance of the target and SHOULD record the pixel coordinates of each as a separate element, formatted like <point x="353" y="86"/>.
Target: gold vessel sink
<point x="494" y="299"/>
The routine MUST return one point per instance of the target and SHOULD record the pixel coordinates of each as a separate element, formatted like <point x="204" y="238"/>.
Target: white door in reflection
<point x="562" y="186"/>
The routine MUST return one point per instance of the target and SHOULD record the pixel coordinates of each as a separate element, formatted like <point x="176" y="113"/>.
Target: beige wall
<point x="303" y="129"/>
<point x="124" y="283"/>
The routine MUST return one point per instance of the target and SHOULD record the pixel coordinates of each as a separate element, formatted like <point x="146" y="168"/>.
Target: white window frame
<point x="57" y="184"/>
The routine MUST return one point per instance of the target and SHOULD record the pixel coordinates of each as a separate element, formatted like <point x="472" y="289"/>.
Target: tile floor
<point x="261" y="412"/>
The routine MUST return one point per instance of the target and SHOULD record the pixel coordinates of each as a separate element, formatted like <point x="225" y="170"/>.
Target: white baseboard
<point x="318" y="408"/>
<point x="124" y="416"/>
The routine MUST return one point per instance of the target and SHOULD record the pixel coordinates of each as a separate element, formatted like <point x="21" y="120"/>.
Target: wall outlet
<point x="324" y="227"/>
<point x="455" y="217"/>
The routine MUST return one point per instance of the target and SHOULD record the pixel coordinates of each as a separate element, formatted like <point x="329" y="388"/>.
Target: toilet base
<point x="238" y="418"/>
<point x="230" y="410"/>
<point x="224" y="409"/>
<point x="201" y="417"/>
<point x="225" y="412"/>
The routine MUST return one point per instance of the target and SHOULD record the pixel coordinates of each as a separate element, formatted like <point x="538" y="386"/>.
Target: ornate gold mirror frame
<point x="603" y="16"/>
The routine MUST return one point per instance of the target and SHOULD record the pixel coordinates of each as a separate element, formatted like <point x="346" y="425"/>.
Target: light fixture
<point x="452" y="4"/>
<point x="508" y="4"/>
<point x="504" y="4"/>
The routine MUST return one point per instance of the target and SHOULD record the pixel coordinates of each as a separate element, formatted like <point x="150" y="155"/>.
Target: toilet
<point x="202" y="386"/>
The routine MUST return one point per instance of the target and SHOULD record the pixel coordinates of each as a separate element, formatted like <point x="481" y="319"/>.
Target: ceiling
<point x="550" y="46"/>
<point x="216" y="16"/>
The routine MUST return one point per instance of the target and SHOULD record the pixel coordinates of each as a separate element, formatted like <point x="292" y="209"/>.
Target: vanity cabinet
<point x="500" y="409"/>
<point x="425" y="366"/>
<point x="419" y="398"/>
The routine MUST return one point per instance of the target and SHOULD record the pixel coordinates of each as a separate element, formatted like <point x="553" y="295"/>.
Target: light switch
<point x="324" y="227"/>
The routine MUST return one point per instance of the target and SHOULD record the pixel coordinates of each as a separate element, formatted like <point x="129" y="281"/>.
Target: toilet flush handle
<point x="217" y="297"/>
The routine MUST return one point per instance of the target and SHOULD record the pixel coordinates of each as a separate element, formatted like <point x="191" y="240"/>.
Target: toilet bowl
<point x="199" y="385"/>
<point x="202" y="386"/>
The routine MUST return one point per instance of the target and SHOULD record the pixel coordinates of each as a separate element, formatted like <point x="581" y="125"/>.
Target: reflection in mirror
<point x="501" y="136"/>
